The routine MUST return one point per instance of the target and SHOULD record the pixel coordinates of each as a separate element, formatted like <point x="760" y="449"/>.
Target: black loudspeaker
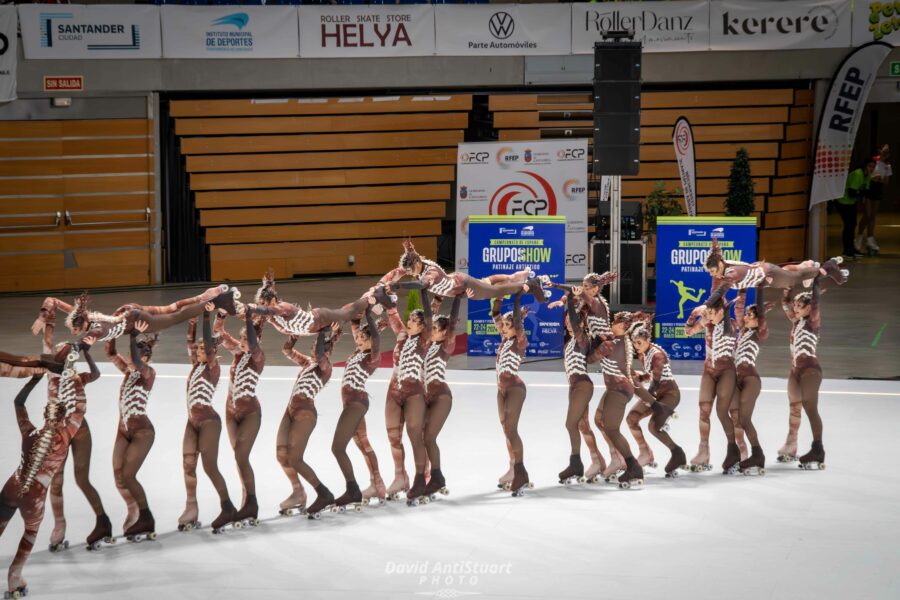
<point x="632" y="222"/>
<point x="617" y="108"/>
<point x="631" y="269"/>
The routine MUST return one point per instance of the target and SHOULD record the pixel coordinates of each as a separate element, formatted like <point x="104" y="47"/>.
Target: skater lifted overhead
<point x="290" y="319"/>
<point x="101" y="327"/>
<point x="430" y="276"/>
<point x="727" y="274"/>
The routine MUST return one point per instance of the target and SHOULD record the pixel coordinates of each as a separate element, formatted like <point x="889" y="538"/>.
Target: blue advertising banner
<point x="502" y="245"/>
<point x="682" y="282"/>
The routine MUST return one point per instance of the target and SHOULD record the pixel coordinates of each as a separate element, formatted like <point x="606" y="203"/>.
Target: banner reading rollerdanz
<point x="682" y="282"/>
<point x="840" y="118"/>
<point x="9" y="27"/>
<point x="502" y="245"/>
<point x="683" y="139"/>
<point x="522" y="179"/>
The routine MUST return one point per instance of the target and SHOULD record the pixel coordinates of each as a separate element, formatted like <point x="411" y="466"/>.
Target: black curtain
<point x="185" y="255"/>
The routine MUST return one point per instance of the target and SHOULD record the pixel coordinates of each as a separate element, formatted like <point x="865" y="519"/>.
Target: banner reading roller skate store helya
<point x="503" y="245"/>
<point x="682" y="282"/>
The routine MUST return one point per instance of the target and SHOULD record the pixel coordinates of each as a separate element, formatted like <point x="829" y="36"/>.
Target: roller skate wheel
<point x="624" y="485"/>
<point x="94" y="546"/>
<point x="237" y="525"/>
<point x="64" y="545"/>
<point x="358" y="508"/>
<point x="445" y="491"/>
<point x="652" y="465"/>
<point x="315" y="516"/>
<point x="236" y="293"/>
<point x="254" y="522"/>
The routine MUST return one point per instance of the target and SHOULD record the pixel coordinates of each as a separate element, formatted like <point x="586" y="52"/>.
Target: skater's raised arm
<point x="787" y="305"/>
<point x="415" y="284"/>
<point x="739" y="307"/>
<point x="578" y="332"/>
<point x="142" y="367"/>
<point x="192" y="341"/>
<point x="209" y="348"/>
<point x="496" y="315"/>
<point x="392" y="276"/>
<point x="295" y="356"/>
<point x="375" y="336"/>
<point x="228" y="340"/>
<point x="814" y="317"/>
<point x="252" y="333"/>
<point x="428" y="321"/>
<point x="114" y="357"/>
<point x="321" y="343"/>
<point x="450" y="338"/>
<point x="24" y="422"/>
<point x="517" y="315"/>
<point x="395" y="321"/>
<point x="762" y="330"/>
<point x="94" y="373"/>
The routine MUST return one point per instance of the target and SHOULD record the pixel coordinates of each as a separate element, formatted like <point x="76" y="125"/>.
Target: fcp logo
<point x="501" y="25"/>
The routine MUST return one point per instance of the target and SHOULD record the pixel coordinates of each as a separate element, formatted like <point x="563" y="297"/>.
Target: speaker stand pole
<point x="615" y="234"/>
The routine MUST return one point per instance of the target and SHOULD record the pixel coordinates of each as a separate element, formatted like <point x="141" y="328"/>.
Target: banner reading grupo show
<point x="363" y="31"/>
<point x="230" y="32"/>
<point x="524" y="179"/>
<point x="9" y="26"/>
<point x="683" y="140"/>
<point x="96" y="31"/>
<point x="682" y="283"/>
<point x="841" y="113"/>
<point x="502" y="245"/>
<point x="677" y="26"/>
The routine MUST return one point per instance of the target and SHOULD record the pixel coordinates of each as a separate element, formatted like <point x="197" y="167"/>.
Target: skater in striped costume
<point x="80" y="445"/>
<point x="438" y="398"/>
<point x="753" y="330"/>
<point x="351" y="424"/>
<point x="727" y="274"/>
<point x="510" y="387"/>
<point x="203" y="428"/>
<point x="615" y="356"/>
<point x="135" y="433"/>
<point x="806" y="374"/>
<point x="103" y="327"/>
<point x="717" y="384"/>
<point x="659" y="399"/>
<point x="242" y="410"/>
<point x="44" y="452"/>
<point x="300" y="417"/>
<point x="581" y="388"/>
<point x="430" y="276"/>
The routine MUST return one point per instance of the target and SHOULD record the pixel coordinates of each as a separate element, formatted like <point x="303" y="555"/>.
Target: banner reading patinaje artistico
<point x="682" y="282"/>
<point x="501" y="246"/>
<point x="523" y="179"/>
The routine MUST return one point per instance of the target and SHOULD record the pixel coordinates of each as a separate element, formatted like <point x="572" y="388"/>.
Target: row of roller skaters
<point x="418" y="398"/>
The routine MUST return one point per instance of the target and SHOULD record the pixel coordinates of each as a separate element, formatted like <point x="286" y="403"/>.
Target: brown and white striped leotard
<point x="133" y="397"/>
<point x="804" y="342"/>
<point x="615" y="364"/>
<point x="738" y="276"/>
<point x="360" y="366"/>
<point x="313" y="376"/>
<point x="656" y="364"/>
<point x="201" y="388"/>
<point x="720" y="345"/>
<point x="436" y="367"/>
<point x="509" y="358"/>
<point x="409" y="359"/>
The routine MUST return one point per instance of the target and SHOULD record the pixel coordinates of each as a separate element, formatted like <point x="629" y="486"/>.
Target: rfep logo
<point x="474" y="158"/>
<point x="506" y="156"/>
<point x="533" y="195"/>
<point x="570" y="153"/>
<point x="573" y="188"/>
<point x="682" y="137"/>
<point x="501" y="25"/>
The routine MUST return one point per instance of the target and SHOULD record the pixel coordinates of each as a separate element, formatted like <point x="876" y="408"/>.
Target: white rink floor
<point x="790" y="534"/>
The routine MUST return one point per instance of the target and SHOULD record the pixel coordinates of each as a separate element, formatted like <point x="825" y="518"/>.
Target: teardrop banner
<point x="683" y="139"/>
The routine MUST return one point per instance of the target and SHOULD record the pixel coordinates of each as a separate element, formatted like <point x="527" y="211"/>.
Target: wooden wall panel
<point x="300" y="185"/>
<point x="74" y="201"/>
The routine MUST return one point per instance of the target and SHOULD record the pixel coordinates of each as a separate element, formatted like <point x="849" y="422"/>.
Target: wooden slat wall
<point x="301" y="185"/>
<point x="774" y="125"/>
<point x="100" y="172"/>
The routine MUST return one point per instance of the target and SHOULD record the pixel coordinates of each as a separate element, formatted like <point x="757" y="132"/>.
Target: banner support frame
<point x="615" y="234"/>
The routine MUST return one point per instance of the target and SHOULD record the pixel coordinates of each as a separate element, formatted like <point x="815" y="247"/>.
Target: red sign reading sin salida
<point x="70" y="83"/>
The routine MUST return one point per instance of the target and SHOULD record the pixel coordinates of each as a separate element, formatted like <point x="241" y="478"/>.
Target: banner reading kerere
<point x="520" y="179"/>
<point x="8" y="41"/>
<point x="683" y="139"/>
<point x="840" y="118"/>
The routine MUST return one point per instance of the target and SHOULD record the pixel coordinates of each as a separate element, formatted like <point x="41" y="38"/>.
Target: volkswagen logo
<point x="501" y="25"/>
